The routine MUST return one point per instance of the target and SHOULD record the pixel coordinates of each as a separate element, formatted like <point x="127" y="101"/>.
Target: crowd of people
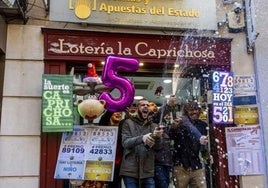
<point x="160" y="148"/>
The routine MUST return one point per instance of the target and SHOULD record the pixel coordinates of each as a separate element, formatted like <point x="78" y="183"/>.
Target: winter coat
<point x="186" y="145"/>
<point x="163" y="155"/>
<point x="137" y="161"/>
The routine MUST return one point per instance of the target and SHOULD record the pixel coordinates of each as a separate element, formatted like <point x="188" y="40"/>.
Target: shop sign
<point x="87" y="153"/>
<point x="86" y="45"/>
<point x="244" y="149"/>
<point x="222" y="97"/>
<point x="57" y="103"/>
<point x="172" y="14"/>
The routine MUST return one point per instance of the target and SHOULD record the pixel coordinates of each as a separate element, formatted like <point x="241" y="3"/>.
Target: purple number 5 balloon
<point x="111" y="79"/>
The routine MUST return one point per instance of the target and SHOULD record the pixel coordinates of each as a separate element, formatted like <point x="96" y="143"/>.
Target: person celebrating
<point x="140" y="137"/>
<point x="188" y="168"/>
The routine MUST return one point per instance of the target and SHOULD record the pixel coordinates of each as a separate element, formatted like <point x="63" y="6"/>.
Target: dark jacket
<point x="186" y="145"/>
<point x="201" y="126"/>
<point x="203" y="129"/>
<point x="163" y="155"/>
<point x="137" y="161"/>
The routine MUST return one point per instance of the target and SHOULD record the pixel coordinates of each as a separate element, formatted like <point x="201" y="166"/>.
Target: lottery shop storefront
<point x="196" y="56"/>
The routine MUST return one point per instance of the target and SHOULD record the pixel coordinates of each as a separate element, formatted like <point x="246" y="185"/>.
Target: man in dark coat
<point x="140" y="137"/>
<point x="188" y="168"/>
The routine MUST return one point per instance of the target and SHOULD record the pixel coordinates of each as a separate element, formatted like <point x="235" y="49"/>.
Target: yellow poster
<point x="99" y="170"/>
<point x="246" y="115"/>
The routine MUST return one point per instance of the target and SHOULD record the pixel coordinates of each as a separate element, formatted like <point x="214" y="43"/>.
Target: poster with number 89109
<point x="222" y="97"/>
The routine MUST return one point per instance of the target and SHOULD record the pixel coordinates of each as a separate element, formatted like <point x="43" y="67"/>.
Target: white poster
<point x="244" y="150"/>
<point x="87" y="148"/>
<point x="244" y="85"/>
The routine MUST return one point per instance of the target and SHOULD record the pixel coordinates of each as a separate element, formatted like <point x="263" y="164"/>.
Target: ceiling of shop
<point x="149" y="79"/>
<point x="147" y="87"/>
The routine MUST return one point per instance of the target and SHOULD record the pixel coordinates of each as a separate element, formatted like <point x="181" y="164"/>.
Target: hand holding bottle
<point x="203" y="140"/>
<point x="148" y="140"/>
<point x="158" y="132"/>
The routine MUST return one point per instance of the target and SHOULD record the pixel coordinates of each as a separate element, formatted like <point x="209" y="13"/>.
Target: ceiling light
<point x="138" y="97"/>
<point x="167" y="96"/>
<point x="141" y="64"/>
<point x="167" y="81"/>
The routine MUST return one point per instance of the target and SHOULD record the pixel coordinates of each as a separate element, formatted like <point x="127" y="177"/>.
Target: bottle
<point x="205" y="153"/>
<point x="152" y="136"/>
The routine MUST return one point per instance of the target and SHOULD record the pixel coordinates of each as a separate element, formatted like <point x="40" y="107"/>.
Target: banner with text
<point x="57" y="103"/>
<point x="190" y="14"/>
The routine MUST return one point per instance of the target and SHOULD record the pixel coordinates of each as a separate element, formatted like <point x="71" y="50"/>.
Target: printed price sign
<point x="87" y="153"/>
<point x="71" y="158"/>
<point x="101" y="143"/>
<point x="222" y="97"/>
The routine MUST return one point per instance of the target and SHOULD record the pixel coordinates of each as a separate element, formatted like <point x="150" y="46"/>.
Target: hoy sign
<point x="222" y="97"/>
